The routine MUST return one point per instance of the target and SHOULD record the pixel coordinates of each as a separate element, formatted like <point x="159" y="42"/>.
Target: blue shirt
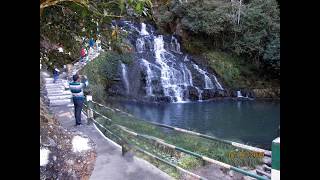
<point x="91" y="42"/>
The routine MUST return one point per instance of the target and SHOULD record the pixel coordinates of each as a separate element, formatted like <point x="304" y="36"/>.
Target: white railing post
<point x="275" y="171"/>
<point x="89" y="110"/>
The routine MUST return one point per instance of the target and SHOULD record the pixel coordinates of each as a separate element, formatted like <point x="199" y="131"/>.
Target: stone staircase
<point x="58" y="93"/>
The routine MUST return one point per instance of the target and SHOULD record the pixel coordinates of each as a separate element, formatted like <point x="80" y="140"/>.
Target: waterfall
<point x="146" y="64"/>
<point x="187" y="76"/>
<point x="169" y="75"/>
<point x="199" y="93"/>
<point x="143" y="31"/>
<point x="207" y="80"/>
<point x="186" y="59"/>
<point x="217" y="83"/>
<point x="239" y="95"/>
<point x="175" y="45"/>
<point x="125" y="77"/>
<point x="140" y="45"/>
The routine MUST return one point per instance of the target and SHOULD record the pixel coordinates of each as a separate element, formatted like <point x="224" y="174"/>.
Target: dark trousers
<point x="55" y="78"/>
<point x="78" y="103"/>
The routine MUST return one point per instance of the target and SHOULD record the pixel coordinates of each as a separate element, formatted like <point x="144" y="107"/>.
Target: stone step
<point x="57" y="86"/>
<point x="67" y="95"/>
<point x="45" y="74"/>
<point x="51" y="82"/>
<point x="50" y="79"/>
<point x="55" y="95"/>
<point x="59" y="97"/>
<point x="54" y="84"/>
<point x="70" y="105"/>
<point x="61" y="82"/>
<point x="55" y="90"/>
<point x="60" y="102"/>
<point x="59" y="93"/>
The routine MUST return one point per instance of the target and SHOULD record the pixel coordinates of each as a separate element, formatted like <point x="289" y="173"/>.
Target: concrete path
<point x="110" y="164"/>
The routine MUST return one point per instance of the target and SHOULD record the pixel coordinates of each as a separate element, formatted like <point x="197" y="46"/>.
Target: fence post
<point x="275" y="171"/>
<point x="89" y="111"/>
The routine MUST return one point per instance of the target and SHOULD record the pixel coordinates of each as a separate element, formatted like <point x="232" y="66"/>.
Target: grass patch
<point x="188" y="162"/>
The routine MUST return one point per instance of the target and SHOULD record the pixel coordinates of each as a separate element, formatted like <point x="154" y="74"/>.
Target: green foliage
<point x="226" y="66"/>
<point x="196" y="45"/>
<point x="272" y="54"/>
<point x="260" y="27"/>
<point x="213" y="25"/>
<point x="235" y="71"/>
<point x="66" y="23"/>
<point x="102" y="71"/>
<point x="210" y="18"/>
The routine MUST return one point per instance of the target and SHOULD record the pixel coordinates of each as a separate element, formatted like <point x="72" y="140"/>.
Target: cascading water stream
<point x="169" y="75"/>
<point x="146" y="64"/>
<point x="125" y="77"/>
<point x="217" y="83"/>
<point x="175" y="45"/>
<point x="144" y="31"/>
<point x="239" y="95"/>
<point x="199" y="93"/>
<point x="140" y="45"/>
<point x="207" y="80"/>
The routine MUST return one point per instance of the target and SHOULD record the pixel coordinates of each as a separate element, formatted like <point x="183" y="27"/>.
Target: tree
<point x="65" y="22"/>
<point x="259" y="27"/>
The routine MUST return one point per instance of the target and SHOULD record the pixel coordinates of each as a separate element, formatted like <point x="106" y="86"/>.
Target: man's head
<point x="76" y="77"/>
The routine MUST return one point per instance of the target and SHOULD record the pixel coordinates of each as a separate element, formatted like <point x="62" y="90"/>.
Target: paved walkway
<point x="110" y="164"/>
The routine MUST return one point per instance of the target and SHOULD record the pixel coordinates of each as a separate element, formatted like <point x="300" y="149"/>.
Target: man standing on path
<point x="76" y="88"/>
